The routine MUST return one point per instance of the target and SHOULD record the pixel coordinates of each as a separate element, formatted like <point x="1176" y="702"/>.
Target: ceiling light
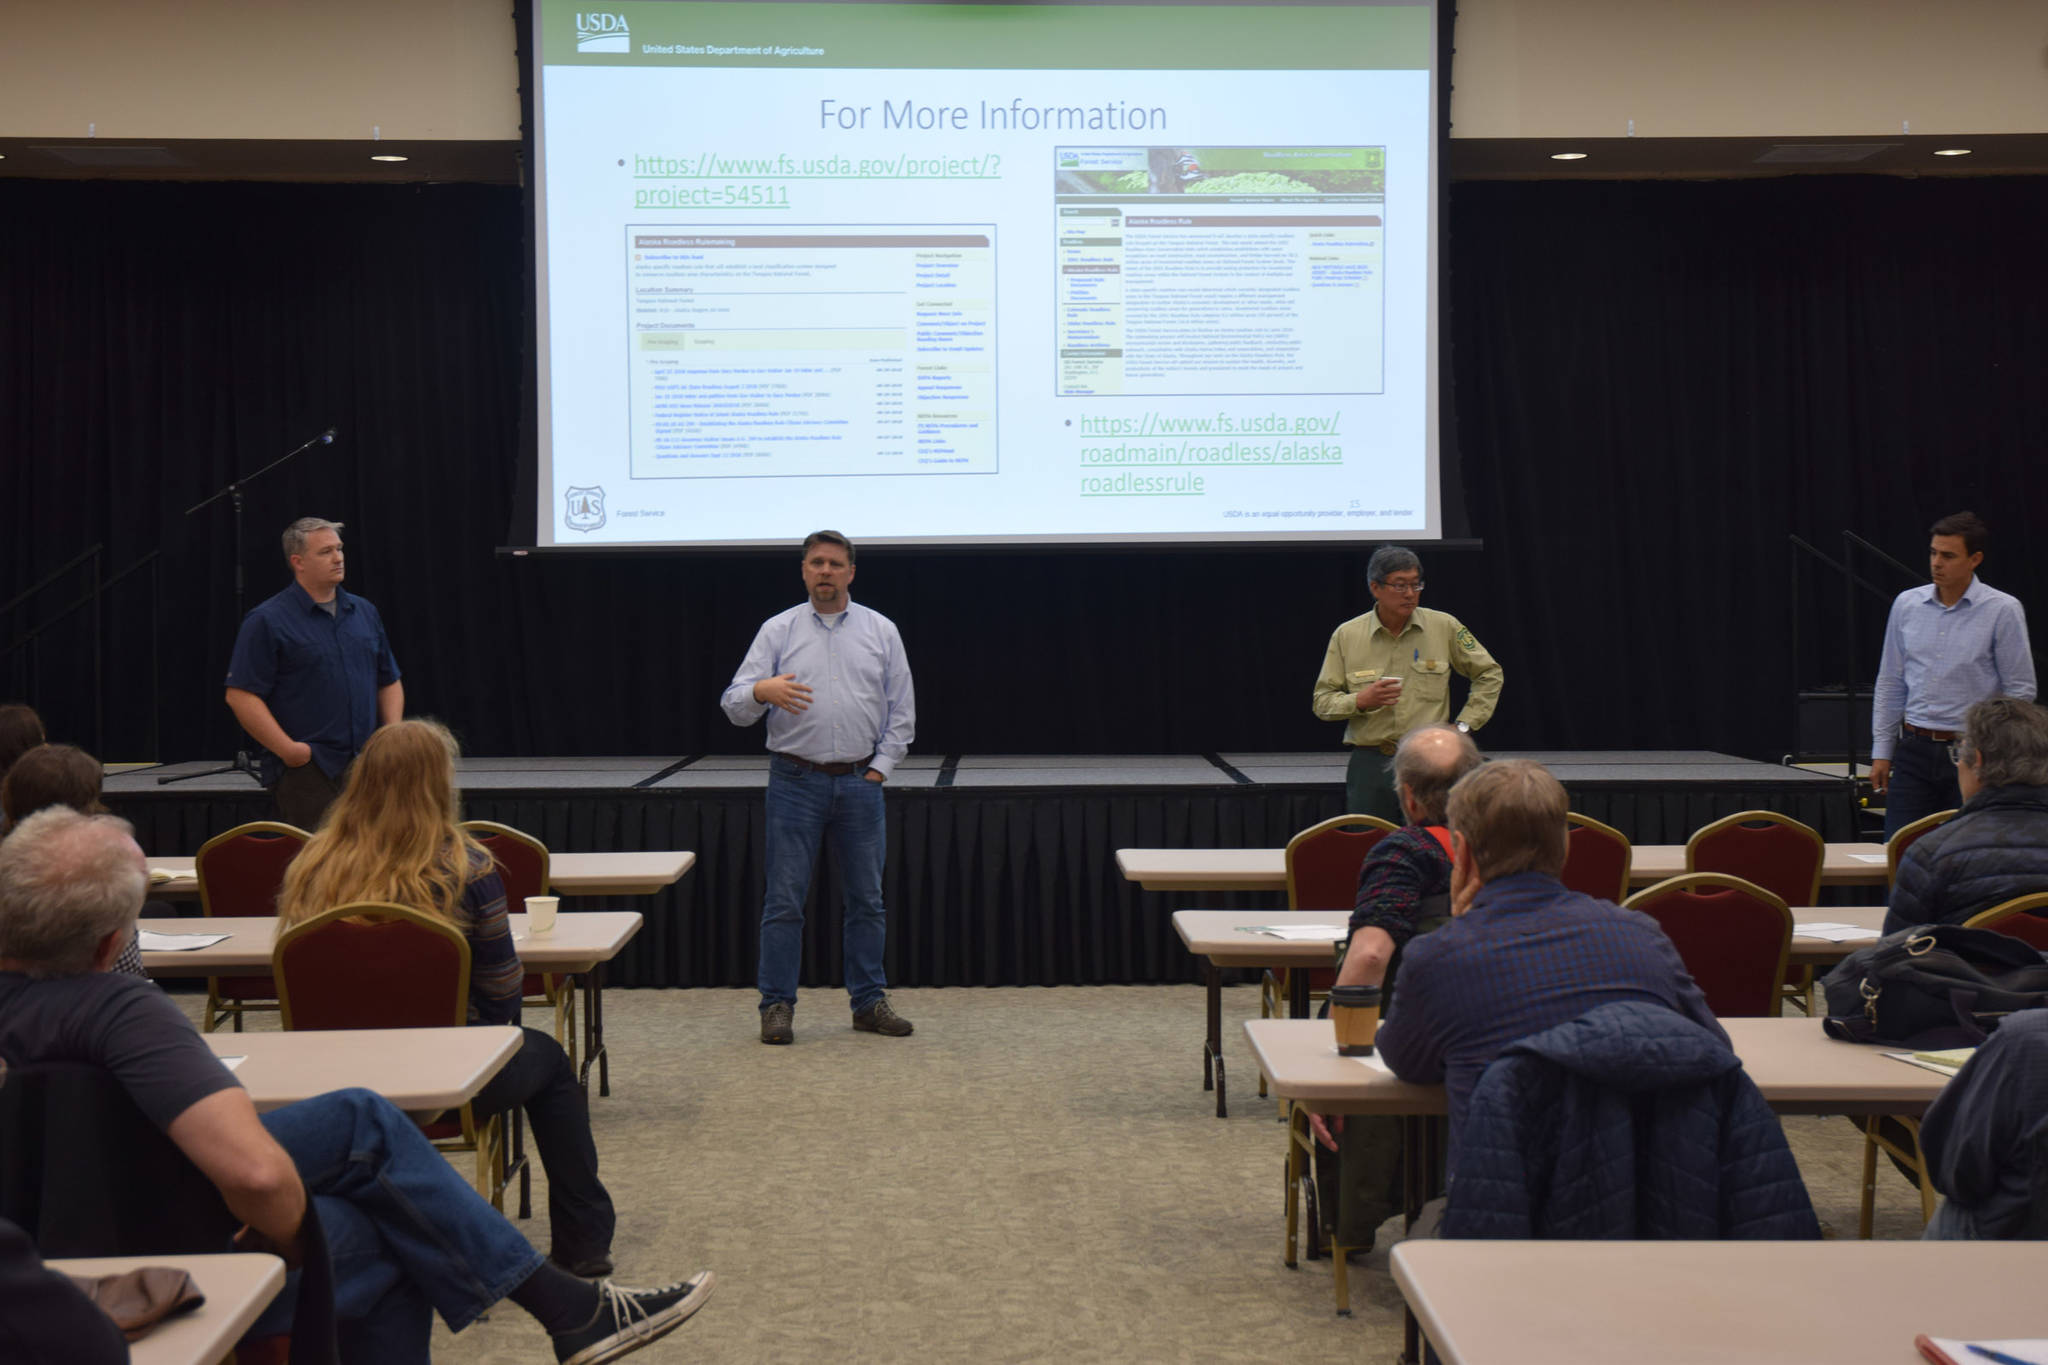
<point x="387" y="156"/>
<point x="1953" y="151"/>
<point x="1567" y="156"/>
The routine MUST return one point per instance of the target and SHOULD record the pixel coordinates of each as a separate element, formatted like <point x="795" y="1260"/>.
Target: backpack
<point x="1933" y="986"/>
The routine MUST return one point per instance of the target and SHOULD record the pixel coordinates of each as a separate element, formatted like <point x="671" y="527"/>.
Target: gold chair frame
<point x="217" y="1008"/>
<point x="1605" y="831"/>
<point x="1692" y="881"/>
<point x="1902" y="839"/>
<point x="1799" y="993"/>
<point x="494" y="1163"/>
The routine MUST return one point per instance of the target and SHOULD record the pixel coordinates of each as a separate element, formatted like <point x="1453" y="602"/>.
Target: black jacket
<point x="1994" y="850"/>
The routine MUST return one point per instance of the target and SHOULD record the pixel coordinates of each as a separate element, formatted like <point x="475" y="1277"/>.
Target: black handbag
<point x="1933" y="986"/>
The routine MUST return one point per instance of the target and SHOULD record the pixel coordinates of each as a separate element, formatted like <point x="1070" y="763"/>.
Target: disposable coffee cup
<point x="1355" y="1011"/>
<point x="1394" y="678"/>
<point x="540" y="914"/>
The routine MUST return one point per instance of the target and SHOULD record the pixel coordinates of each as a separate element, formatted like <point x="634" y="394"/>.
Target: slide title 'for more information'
<point x="912" y="116"/>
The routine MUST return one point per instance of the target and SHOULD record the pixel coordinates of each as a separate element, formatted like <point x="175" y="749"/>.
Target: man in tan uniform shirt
<point x="1397" y="639"/>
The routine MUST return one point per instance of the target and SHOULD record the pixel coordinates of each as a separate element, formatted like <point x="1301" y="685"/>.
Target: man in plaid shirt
<point x="1521" y="953"/>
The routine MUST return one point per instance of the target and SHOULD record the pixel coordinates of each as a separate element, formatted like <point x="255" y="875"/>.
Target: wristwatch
<point x="1463" y="728"/>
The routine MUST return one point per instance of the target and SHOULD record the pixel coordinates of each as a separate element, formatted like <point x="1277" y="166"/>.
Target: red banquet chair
<point x="1777" y="853"/>
<point x="1597" y="858"/>
<point x="1732" y="935"/>
<point x="2024" y="918"/>
<point x="523" y="867"/>
<point x="1896" y="846"/>
<point x="1322" y="874"/>
<point x="240" y="873"/>
<point x="373" y="965"/>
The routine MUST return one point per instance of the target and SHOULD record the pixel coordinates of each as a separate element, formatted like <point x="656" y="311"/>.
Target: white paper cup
<point x="1396" y="679"/>
<point x="540" y="914"/>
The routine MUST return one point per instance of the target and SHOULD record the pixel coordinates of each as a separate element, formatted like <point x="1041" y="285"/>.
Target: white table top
<point x="238" y="1286"/>
<point x="569" y="874"/>
<point x="1217" y="935"/>
<point x="1265" y="869"/>
<point x="579" y="942"/>
<point x="1796" y="1066"/>
<point x="421" y="1070"/>
<point x="1678" y="1303"/>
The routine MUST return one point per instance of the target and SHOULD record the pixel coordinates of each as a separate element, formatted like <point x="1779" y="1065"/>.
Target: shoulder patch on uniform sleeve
<point x="1465" y="641"/>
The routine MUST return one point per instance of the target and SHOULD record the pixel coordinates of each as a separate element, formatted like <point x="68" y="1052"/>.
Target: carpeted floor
<point x="1035" y="1174"/>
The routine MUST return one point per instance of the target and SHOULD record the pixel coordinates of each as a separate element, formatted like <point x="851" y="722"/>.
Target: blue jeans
<point x="847" y="811"/>
<point x="406" y="1234"/>
<point x="1923" y="782"/>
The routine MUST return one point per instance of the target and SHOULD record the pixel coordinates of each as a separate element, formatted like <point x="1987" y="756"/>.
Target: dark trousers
<point x="1369" y="786"/>
<point x="540" y="1080"/>
<point x="1923" y="782"/>
<point x="303" y="794"/>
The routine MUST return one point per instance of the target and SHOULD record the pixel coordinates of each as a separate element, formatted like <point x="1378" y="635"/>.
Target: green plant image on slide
<point x="1251" y="182"/>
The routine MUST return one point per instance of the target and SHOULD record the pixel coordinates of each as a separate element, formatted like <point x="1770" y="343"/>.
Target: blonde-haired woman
<point x="392" y="835"/>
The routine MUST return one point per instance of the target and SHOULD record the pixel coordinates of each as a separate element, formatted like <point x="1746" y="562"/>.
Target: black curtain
<point x="1656" y="384"/>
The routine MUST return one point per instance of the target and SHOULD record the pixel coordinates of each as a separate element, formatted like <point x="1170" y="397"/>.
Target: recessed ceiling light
<point x="1953" y="151"/>
<point x="387" y="156"/>
<point x="1567" y="156"/>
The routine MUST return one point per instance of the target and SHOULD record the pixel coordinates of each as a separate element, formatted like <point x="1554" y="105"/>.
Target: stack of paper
<point x="1305" y="933"/>
<point x="1836" y="933"/>
<point x="152" y="942"/>
<point x="1948" y="1063"/>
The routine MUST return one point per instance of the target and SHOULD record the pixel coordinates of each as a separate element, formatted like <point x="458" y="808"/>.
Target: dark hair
<point x="828" y="538"/>
<point x="51" y="775"/>
<point x="21" y="729"/>
<point x="1976" y="535"/>
<point x="1389" y="560"/>
<point x="2008" y="740"/>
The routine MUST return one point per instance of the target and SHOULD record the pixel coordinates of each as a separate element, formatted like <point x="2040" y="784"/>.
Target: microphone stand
<point x="244" y="762"/>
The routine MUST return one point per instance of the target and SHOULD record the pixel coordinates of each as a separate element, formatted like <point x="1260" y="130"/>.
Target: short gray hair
<point x="299" y="532"/>
<point x="2008" y="740"/>
<point x="65" y="884"/>
<point x="1389" y="560"/>
<point x="1429" y="767"/>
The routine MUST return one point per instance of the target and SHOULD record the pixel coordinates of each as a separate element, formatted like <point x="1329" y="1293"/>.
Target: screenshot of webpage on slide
<point x="1005" y="272"/>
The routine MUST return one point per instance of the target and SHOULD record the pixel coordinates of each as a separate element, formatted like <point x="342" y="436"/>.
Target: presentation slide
<point x="966" y="273"/>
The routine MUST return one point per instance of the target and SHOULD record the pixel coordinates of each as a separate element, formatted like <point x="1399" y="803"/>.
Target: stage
<point x="1002" y="868"/>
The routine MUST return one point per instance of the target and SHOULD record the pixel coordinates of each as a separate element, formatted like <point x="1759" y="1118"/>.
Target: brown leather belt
<point x="859" y="765"/>
<point x="1938" y="736"/>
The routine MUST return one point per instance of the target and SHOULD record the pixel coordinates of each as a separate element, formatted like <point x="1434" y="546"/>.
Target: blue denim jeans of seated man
<point x="847" y="813"/>
<point x="406" y="1234"/>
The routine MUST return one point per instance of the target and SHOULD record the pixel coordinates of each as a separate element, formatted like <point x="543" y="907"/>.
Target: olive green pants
<point x="1369" y="786"/>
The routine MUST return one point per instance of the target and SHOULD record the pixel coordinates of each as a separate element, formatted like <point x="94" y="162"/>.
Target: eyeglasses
<point x="1416" y="586"/>
<point x="1955" y="751"/>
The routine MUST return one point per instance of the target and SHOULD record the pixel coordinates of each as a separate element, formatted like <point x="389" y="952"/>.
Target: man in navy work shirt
<point x="1945" y="646"/>
<point x="832" y="679"/>
<point x="1522" y="953"/>
<point x="312" y="676"/>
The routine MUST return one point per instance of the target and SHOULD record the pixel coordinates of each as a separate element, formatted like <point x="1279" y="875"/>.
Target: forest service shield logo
<point x="585" y="508"/>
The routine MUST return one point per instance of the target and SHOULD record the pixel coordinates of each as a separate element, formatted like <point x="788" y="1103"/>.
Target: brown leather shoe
<point x="778" y="1023"/>
<point x="879" y="1018"/>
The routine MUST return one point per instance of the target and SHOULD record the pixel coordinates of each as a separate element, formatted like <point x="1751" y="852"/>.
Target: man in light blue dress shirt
<point x="1946" y="646"/>
<point x="833" y="681"/>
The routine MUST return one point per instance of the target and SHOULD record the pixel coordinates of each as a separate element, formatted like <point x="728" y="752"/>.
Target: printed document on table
<point x="152" y="942"/>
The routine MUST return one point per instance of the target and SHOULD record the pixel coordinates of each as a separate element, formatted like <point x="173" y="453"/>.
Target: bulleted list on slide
<point x="797" y="351"/>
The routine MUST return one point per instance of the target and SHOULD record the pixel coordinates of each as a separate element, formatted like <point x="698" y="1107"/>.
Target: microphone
<point x="327" y="437"/>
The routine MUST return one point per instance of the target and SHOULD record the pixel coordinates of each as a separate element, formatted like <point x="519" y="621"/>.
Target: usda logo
<point x="597" y="32"/>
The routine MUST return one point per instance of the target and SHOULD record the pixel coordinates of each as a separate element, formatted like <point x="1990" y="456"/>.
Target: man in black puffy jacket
<point x="1996" y="847"/>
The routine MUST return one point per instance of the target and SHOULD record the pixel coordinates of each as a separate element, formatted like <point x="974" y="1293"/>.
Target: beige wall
<point x="443" y="69"/>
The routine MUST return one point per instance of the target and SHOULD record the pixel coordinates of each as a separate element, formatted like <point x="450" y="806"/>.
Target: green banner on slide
<point x="1037" y="37"/>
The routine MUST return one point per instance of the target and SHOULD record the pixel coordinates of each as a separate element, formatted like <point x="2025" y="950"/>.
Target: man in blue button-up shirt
<point x="312" y="676"/>
<point x="1946" y="647"/>
<point x="832" y="679"/>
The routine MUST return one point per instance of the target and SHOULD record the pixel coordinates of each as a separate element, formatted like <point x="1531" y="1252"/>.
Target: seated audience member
<point x="44" y="1318"/>
<point x="1996" y="847"/>
<point x="60" y="775"/>
<point x="21" y="729"/>
<point x="392" y="835"/>
<point x="1522" y="953"/>
<point x="406" y="1234"/>
<point x="1403" y="889"/>
<point x="1985" y="1138"/>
